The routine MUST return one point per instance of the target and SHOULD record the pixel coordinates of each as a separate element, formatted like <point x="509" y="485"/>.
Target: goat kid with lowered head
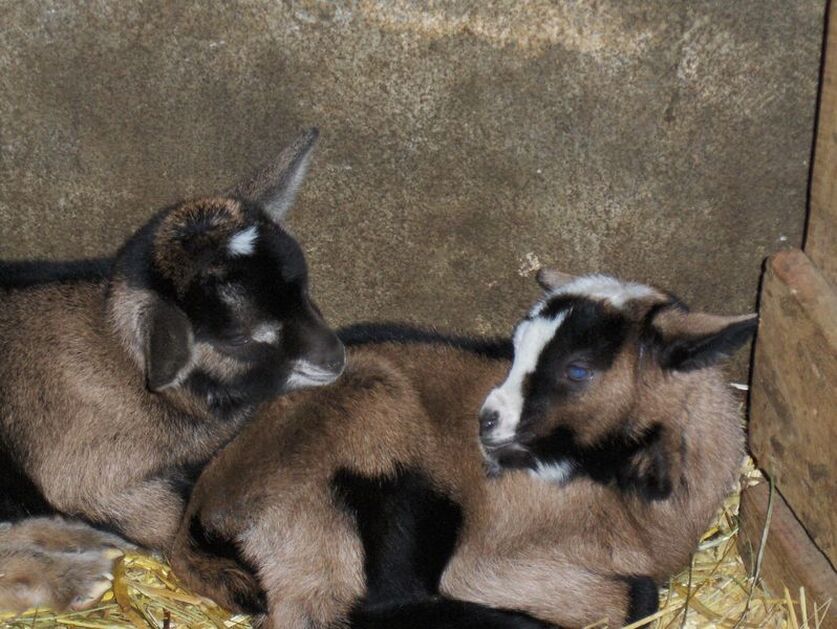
<point x="119" y="380"/>
<point x="381" y="501"/>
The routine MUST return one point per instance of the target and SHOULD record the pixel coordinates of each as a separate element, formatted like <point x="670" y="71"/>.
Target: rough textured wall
<point x="462" y="142"/>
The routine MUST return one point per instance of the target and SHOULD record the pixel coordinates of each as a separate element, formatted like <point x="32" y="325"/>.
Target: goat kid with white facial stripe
<point x="597" y="343"/>
<point x="611" y="444"/>
<point x="615" y="407"/>
<point x="119" y="380"/>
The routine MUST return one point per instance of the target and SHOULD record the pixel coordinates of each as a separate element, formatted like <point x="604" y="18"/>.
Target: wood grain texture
<point x="791" y="559"/>
<point x="821" y="237"/>
<point x="793" y="414"/>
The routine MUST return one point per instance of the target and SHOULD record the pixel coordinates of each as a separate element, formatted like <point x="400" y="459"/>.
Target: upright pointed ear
<point x="550" y="279"/>
<point x="691" y="340"/>
<point x="168" y="348"/>
<point x="275" y="185"/>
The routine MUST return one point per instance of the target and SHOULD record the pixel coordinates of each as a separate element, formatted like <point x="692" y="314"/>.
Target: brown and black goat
<point x="382" y="501"/>
<point x="119" y="380"/>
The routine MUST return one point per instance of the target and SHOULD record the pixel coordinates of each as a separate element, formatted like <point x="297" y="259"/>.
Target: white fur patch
<point x="557" y="472"/>
<point x="530" y="337"/>
<point x="244" y="242"/>
<point x="600" y="287"/>
<point x="266" y="332"/>
<point x="305" y="374"/>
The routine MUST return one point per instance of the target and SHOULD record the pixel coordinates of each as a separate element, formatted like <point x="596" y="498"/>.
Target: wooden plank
<point x="793" y="411"/>
<point x="791" y="559"/>
<point x="821" y="237"/>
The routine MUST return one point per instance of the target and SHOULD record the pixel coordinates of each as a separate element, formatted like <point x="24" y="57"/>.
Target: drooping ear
<point x="550" y="279"/>
<point x="168" y="348"/>
<point x="692" y="340"/>
<point x="275" y="185"/>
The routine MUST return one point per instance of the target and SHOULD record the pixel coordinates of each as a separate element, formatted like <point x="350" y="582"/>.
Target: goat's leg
<point x="59" y="534"/>
<point x="550" y="587"/>
<point x="55" y="563"/>
<point x="212" y="564"/>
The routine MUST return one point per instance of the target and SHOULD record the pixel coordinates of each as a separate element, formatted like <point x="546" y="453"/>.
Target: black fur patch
<point x="443" y="613"/>
<point x="28" y="273"/>
<point x="261" y="382"/>
<point x="217" y="546"/>
<point x="633" y="464"/>
<point x="643" y="598"/>
<point x="182" y="478"/>
<point x="648" y="471"/>
<point x="372" y="333"/>
<point x="19" y="496"/>
<point x="408" y="530"/>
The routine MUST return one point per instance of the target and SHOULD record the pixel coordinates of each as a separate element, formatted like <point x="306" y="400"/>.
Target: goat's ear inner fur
<point x="276" y="184"/>
<point x="168" y="350"/>
<point x="550" y="279"/>
<point x="695" y="340"/>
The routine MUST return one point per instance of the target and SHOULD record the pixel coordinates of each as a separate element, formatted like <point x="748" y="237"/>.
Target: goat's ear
<point x="550" y="279"/>
<point x="692" y="340"/>
<point x="168" y="348"/>
<point x="275" y="185"/>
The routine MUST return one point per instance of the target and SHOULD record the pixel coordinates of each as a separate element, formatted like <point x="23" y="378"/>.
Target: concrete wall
<point x="462" y="142"/>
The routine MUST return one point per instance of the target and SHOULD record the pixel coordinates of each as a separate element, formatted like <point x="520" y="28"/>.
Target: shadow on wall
<point x="462" y="145"/>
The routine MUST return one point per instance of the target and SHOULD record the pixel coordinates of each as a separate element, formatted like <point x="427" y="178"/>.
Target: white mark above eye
<point x="243" y="243"/>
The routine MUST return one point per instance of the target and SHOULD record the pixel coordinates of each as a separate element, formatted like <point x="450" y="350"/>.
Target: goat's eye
<point x="578" y="373"/>
<point x="239" y="339"/>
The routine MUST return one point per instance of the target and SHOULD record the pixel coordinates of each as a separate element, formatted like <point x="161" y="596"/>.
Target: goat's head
<point x="211" y="297"/>
<point x="601" y="367"/>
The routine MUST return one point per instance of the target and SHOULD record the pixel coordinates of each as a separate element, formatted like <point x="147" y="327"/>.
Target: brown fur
<point x="560" y="553"/>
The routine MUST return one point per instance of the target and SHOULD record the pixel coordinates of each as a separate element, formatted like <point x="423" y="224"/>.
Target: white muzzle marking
<point x="305" y="374"/>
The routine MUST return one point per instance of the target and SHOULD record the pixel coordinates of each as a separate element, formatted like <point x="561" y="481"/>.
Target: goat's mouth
<point x="307" y="375"/>
<point x="506" y="455"/>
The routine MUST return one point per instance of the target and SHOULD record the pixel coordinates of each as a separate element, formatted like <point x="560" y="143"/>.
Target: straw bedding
<point x="716" y="591"/>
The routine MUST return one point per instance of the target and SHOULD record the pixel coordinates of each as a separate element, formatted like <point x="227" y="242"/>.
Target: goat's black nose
<point x="337" y="361"/>
<point x="488" y="421"/>
<point x="327" y="352"/>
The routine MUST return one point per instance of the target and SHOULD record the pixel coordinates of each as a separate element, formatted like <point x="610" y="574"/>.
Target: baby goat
<point x="119" y="381"/>
<point x="381" y="501"/>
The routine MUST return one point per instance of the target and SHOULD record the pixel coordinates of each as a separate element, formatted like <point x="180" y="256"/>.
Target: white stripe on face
<point x="530" y="337"/>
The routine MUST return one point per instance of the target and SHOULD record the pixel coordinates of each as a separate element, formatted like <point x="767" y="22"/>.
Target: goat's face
<point x="590" y="360"/>
<point x="242" y="283"/>
<point x="222" y="290"/>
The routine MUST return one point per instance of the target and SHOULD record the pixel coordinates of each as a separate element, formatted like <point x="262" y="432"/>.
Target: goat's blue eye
<point x="579" y="373"/>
